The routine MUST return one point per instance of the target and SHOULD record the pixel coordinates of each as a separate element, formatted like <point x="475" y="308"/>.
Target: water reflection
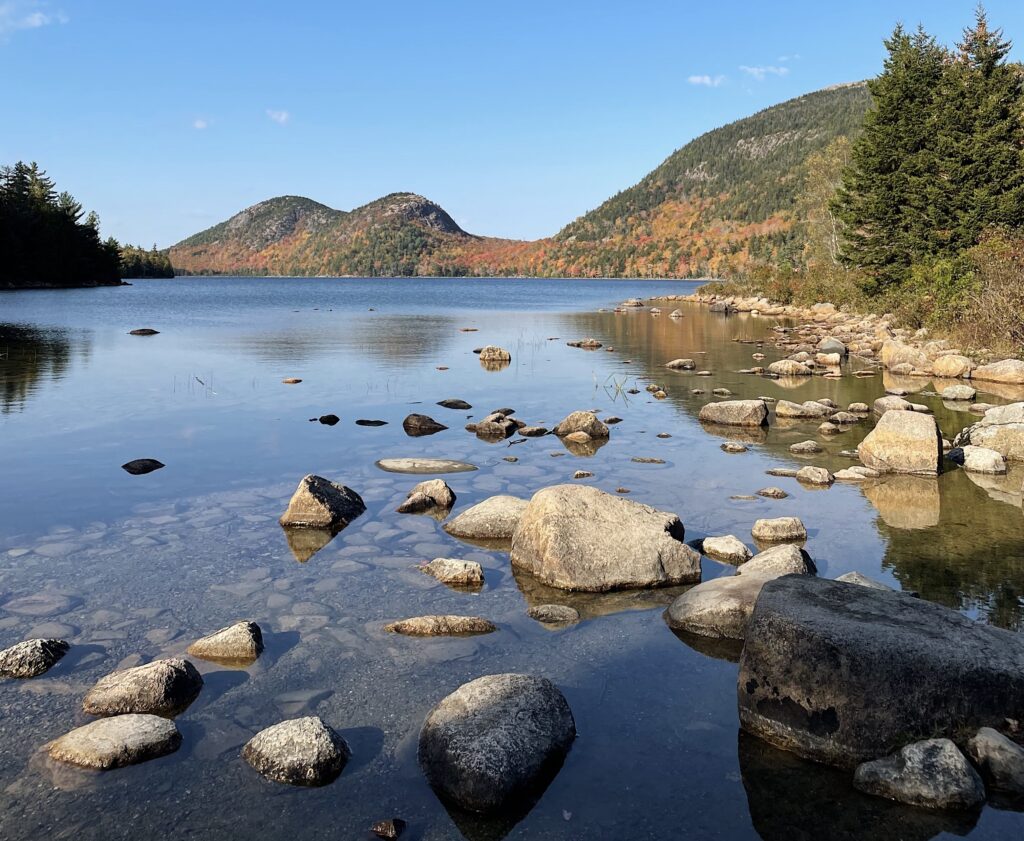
<point x="30" y="357"/>
<point x="906" y="502"/>
<point x="826" y="805"/>
<point x="592" y="605"/>
<point x="304" y="543"/>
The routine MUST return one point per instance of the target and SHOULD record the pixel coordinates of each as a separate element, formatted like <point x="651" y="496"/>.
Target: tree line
<point x="47" y="239"/>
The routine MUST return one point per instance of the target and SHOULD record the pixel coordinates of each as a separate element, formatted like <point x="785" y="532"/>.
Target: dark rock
<point x="143" y="331"/>
<point x="496" y="740"/>
<point x="329" y="420"/>
<point x="454" y="403"/>
<point x="365" y="422"/>
<point x="142" y="466"/>
<point x="321" y="504"/>
<point x="391" y="828"/>
<point x="842" y="674"/>
<point x="932" y="774"/>
<point x="416" y="425"/>
<point x="31" y="657"/>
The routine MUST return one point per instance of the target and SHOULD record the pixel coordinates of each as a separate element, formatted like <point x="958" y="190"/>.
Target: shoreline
<point x="870" y="337"/>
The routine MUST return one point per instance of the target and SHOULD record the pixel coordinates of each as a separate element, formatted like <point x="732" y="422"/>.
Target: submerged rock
<point x="142" y="466"/>
<point x="454" y="403"/>
<point x="424" y="465"/>
<point x="321" y="504"/>
<point x="389" y="829"/>
<point x="496" y="740"/>
<point x="863" y="581"/>
<point x="842" y="674"/>
<point x="163" y="687"/>
<point x="441" y="626"/>
<point x="301" y="751"/>
<point x="932" y="774"/>
<point x="238" y="644"/>
<point x="31" y="658"/>
<point x="903" y="442"/>
<point x="735" y="413"/>
<point x="577" y="537"/>
<point x="493" y="519"/>
<point x="455" y="572"/>
<point x="116" y="742"/>
<point x="554" y="614"/>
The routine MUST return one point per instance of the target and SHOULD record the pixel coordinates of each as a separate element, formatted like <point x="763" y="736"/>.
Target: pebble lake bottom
<point x="131" y="568"/>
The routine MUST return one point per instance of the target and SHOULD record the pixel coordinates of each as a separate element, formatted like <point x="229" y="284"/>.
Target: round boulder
<point x="116" y="742"/>
<point x="163" y="687"/>
<point x="496" y="740"/>
<point x="31" y="657"/>
<point x="301" y="752"/>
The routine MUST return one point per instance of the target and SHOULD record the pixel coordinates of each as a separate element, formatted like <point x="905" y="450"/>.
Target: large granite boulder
<point x="163" y="687"/>
<point x="1007" y="371"/>
<point x="736" y="413"/>
<point x="493" y="519"/>
<point x="319" y="503"/>
<point x="903" y="442"/>
<point x="301" y="752"/>
<point x="844" y="674"/>
<point x="1001" y="429"/>
<point x="496" y="740"/>
<point x="932" y="774"/>
<point x="577" y="537"/>
<point x="116" y="742"/>
<point x="894" y="353"/>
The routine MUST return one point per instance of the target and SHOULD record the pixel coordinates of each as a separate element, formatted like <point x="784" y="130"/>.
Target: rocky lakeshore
<point x="445" y="619"/>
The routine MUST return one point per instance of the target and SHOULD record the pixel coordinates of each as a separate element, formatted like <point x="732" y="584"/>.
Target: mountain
<point x="723" y="203"/>
<point x="292" y="235"/>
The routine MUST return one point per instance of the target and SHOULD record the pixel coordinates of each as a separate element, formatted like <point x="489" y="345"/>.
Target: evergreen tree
<point x="887" y="198"/>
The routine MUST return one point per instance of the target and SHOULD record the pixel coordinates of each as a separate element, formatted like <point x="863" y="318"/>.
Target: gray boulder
<point x="903" y="442"/>
<point x="891" y="403"/>
<point x="493" y="519"/>
<point x="843" y="674"/>
<point x="783" y="559"/>
<point x="727" y="548"/>
<point x="577" y="537"/>
<point x="958" y="392"/>
<point x="1001" y="429"/>
<point x="779" y="530"/>
<point x="236" y="645"/>
<point x="431" y="494"/>
<point x="31" y="658"/>
<point x="830" y="344"/>
<point x="586" y="422"/>
<point x="811" y="475"/>
<point x="808" y="409"/>
<point x="301" y="752"/>
<point x="932" y="774"/>
<point x="496" y="740"/>
<point x="863" y="581"/>
<point x="1000" y="760"/>
<point x="789" y="368"/>
<point x="681" y="365"/>
<point x="736" y="413"/>
<point x="554" y="614"/>
<point x="163" y="687"/>
<point x="321" y="504"/>
<point x="116" y="742"/>
<point x="978" y="459"/>
<point x="1006" y="371"/>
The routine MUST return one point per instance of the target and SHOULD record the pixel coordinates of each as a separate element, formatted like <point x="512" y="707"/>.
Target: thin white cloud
<point x="17" y="15"/>
<point x="762" y="73"/>
<point x="706" y="81"/>
<point x="279" y="117"/>
<point x="199" y="124"/>
<point x="783" y="59"/>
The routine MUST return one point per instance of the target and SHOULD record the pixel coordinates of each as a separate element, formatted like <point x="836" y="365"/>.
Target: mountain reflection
<point x="399" y="339"/>
<point x="30" y="357"/>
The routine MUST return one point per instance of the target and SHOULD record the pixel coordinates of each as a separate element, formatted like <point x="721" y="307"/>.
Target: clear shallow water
<point x="134" y="568"/>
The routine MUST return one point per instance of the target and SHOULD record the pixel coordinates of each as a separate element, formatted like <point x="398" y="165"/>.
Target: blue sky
<point x="168" y="117"/>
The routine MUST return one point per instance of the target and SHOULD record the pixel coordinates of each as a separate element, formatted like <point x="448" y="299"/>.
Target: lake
<point x="132" y="568"/>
